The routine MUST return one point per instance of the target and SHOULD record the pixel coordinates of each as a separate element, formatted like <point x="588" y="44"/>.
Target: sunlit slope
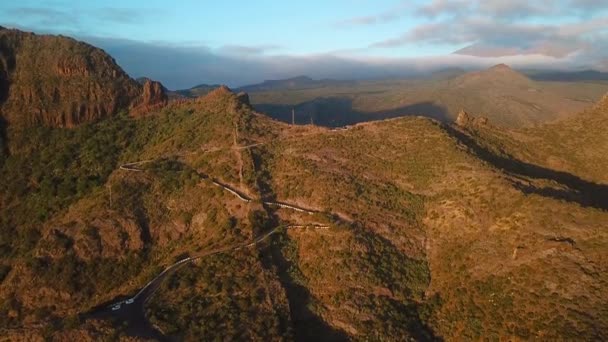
<point x="405" y="227"/>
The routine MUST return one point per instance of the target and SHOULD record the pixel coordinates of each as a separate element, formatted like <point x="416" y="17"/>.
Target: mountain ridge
<point x="59" y="81"/>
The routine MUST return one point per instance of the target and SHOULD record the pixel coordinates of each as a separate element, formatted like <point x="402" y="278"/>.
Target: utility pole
<point x="293" y="116"/>
<point x="311" y="120"/>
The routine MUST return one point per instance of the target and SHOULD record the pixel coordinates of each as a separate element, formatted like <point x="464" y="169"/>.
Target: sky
<point x="183" y="43"/>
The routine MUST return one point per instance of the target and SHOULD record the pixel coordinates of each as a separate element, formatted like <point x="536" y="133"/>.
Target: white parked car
<point x="116" y="307"/>
<point x="129" y="301"/>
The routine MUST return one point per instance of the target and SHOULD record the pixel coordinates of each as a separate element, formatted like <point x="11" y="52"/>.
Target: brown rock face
<point x="153" y="97"/>
<point x="464" y="119"/>
<point x="58" y="81"/>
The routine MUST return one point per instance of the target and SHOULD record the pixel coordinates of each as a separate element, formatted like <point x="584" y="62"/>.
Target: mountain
<point x="447" y="73"/>
<point x="198" y="90"/>
<point x="575" y="145"/>
<point x="568" y="76"/>
<point x="58" y="81"/>
<point x="204" y="219"/>
<point x="498" y="75"/>
<point x="507" y="97"/>
<point x="299" y="82"/>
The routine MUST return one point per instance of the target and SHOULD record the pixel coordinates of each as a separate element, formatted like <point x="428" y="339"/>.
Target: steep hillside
<point x="575" y="145"/>
<point x="83" y="230"/>
<point x="404" y="227"/>
<point x="60" y="82"/>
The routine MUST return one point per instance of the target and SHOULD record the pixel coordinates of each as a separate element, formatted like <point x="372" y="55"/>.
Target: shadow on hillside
<point x="585" y="193"/>
<point x="384" y="252"/>
<point x="3" y="138"/>
<point x="339" y="111"/>
<point x="307" y="325"/>
<point x="7" y="64"/>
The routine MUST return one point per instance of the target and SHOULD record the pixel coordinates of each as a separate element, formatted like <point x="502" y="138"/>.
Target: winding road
<point x="132" y="310"/>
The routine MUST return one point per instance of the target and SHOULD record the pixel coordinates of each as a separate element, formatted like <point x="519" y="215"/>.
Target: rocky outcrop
<point x="243" y="97"/>
<point x="153" y="97"/>
<point x="60" y="82"/>
<point x="222" y="98"/>
<point x="464" y="119"/>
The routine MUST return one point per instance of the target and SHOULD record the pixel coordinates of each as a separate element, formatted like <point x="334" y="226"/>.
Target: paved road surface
<point x="132" y="311"/>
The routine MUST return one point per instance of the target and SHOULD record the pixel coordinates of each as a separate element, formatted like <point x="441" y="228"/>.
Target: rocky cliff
<point x="153" y="96"/>
<point x="60" y="82"/>
<point x="464" y="119"/>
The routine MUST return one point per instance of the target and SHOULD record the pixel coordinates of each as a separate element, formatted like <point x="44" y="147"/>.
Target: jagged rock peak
<point x="223" y="89"/>
<point x="153" y="97"/>
<point x="464" y="119"/>
<point x="223" y="99"/>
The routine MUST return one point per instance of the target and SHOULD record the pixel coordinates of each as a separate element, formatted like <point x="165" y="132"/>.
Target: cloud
<point x="249" y="49"/>
<point x="441" y="7"/>
<point x="183" y="67"/>
<point x="41" y="16"/>
<point x="119" y="15"/>
<point x="393" y="14"/>
<point x="505" y="10"/>
<point x="507" y="28"/>
<point x="73" y="21"/>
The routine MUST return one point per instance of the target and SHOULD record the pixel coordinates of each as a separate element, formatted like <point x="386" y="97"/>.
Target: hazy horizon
<point x="191" y="43"/>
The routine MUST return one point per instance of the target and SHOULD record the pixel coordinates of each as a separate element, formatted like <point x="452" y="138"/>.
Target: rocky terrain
<point x="60" y="82"/>
<point x="408" y="228"/>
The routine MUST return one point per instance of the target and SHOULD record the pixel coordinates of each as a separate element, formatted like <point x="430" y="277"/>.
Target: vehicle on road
<point x="129" y="301"/>
<point x="116" y="307"/>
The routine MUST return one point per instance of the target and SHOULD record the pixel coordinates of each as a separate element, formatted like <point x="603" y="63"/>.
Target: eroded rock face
<point x="58" y="81"/>
<point x="464" y="119"/>
<point x="153" y="97"/>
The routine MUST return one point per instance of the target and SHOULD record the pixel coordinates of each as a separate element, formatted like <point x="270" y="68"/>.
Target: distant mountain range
<point x="305" y="82"/>
<point x="506" y="96"/>
<point x="567" y="76"/>
<point x="294" y="83"/>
